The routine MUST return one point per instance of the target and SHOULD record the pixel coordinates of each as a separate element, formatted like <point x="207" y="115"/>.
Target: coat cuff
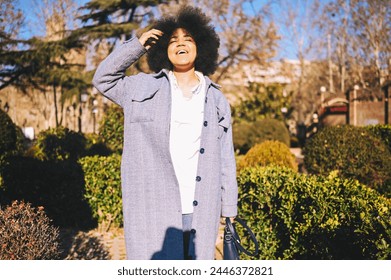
<point x="229" y="210"/>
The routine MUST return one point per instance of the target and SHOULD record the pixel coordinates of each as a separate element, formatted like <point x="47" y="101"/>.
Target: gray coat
<point x="150" y="192"/>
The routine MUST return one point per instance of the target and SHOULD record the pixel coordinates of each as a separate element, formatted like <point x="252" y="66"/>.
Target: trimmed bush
<point x="247" y="134"/>
<point x="296" y="216"/>
<point x="103" y="189"/>
<point x="8" y="133"/>
<point x="353" y="151"/>
<point x="95" y="146"/>
<point x="382" y="131"/>
<point x="269" y="153"/>
<point x="26" y="234"/>
<point x="60" y="144"/>
<point x="21" y="142"/>
<point x="56" y="185"/>
<point x="111" y="129"/>
<point x="264" y="101"/>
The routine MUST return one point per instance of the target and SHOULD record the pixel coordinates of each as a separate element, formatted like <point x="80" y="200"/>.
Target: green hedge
<point x="247" y="134"/>
<point x="95" y="146"/>
<point x="103" y="189"/>
<point x="296" y="216"/>
<point x="59" y="144"/>
<point x="354" y="151"/>
<point x="7" y="132"/>
<point x="382" y="131"/>
<point x="111" y="129"/>
<point x="58" y="186"/>
<point x="267" y="153"/>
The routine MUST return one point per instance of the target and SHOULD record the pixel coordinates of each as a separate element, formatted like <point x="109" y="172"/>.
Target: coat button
<point x="205" y="123"/>
<point x="198" y="178"/>
<point x="193" y="231"/>
<point x="195" y="202"/>
<point x="202" y="150"/>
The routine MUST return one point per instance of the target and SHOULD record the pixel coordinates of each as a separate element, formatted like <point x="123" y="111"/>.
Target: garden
<point x="54" y="191"/>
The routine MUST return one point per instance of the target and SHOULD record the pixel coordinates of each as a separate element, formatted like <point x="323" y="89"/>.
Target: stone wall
<point x="36" y="109"/>
<point x="368" y="113"/>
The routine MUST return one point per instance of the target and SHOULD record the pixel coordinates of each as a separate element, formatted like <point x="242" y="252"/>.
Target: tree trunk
<point x="55" y="104"/>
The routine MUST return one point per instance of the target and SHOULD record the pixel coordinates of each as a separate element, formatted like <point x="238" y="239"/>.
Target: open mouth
<point x="182" y="52"/>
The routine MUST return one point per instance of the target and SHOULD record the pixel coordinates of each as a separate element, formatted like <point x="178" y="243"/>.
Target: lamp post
<point x="94" y="113"/>
<point x="386" y="101"/>
<point x="83" y="97"/>
<point x="355" y="89"/>
<point x="322" y="92"/>
<point x="68" y="116"/>
<point x="315" y="122"/>
<point x="284" y="111"/>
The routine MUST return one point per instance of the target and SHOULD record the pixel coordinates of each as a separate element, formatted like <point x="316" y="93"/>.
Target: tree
<point x="297" y="19"/>
<point x="360" y="41"/>
<point x="266" y="101"/>
<point x="67" y="76"/>
<point x="246" y="32"/>
<point x="24" y="59"/>
<point x="335" y="23"/>
<point x="44" y="62"/>
<point x="11" y="20"/>
<point x="371" y="21"/>
<point x="113" y="20"/>
<point x="106" y="23"/>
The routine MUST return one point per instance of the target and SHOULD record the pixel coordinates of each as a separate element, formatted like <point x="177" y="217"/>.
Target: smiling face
<point x="182" y="50"/>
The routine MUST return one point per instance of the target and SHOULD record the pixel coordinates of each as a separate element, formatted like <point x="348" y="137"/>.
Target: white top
<point x="187" y="115"/>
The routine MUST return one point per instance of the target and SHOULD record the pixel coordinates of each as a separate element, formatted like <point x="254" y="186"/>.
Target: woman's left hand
<point x="149" y="38"/>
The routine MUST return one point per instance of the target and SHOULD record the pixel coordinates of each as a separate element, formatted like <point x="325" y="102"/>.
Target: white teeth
<point x="182" y="52"/>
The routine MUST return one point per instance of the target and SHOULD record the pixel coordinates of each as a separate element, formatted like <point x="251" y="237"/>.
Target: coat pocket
<point x="223" y="126"/>
<point x="143" y="107"/>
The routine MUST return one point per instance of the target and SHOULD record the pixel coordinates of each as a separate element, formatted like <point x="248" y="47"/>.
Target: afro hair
<point x="194" y="21"/>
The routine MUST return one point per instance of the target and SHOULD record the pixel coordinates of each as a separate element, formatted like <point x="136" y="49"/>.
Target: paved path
<point x="96" y="245"/>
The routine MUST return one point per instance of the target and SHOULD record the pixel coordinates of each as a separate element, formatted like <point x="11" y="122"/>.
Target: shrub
<point x="267" y="153"/>
<point x="26" y="234"/>
<point x="8" y="133"/>
<point x="21" y="142"/>
<point x="264" y="101"/>
<point x="56" y="185"/>
<point x="296" y="216"/>
<point x="12" y="141"/>
<point x="103" y="189"/>
<point x="247" y="134"/>
<point x="112" y="129"/>
<point x="353" y="151"/>
<point x="95" y="146"/>
<point x="60" y="144"/>
<point x="382" y="131"/>
<point x="3" y="163"/>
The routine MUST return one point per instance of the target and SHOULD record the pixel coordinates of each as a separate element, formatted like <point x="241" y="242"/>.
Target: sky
<point x="31" y="13"/>
<point x="286" y="49"/>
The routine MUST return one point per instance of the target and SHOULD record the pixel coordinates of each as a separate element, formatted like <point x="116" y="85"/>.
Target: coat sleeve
<point x="228" y="166"/>
<point x="110" y="77"/>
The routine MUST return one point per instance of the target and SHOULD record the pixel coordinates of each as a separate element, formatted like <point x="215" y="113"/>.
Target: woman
<point x="178" y="168"/>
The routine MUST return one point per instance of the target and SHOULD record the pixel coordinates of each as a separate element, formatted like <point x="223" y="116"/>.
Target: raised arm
<point x="110" y="77"/>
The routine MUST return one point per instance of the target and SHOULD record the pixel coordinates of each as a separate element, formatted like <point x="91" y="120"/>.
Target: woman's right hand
<point x="149" y="38"/>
